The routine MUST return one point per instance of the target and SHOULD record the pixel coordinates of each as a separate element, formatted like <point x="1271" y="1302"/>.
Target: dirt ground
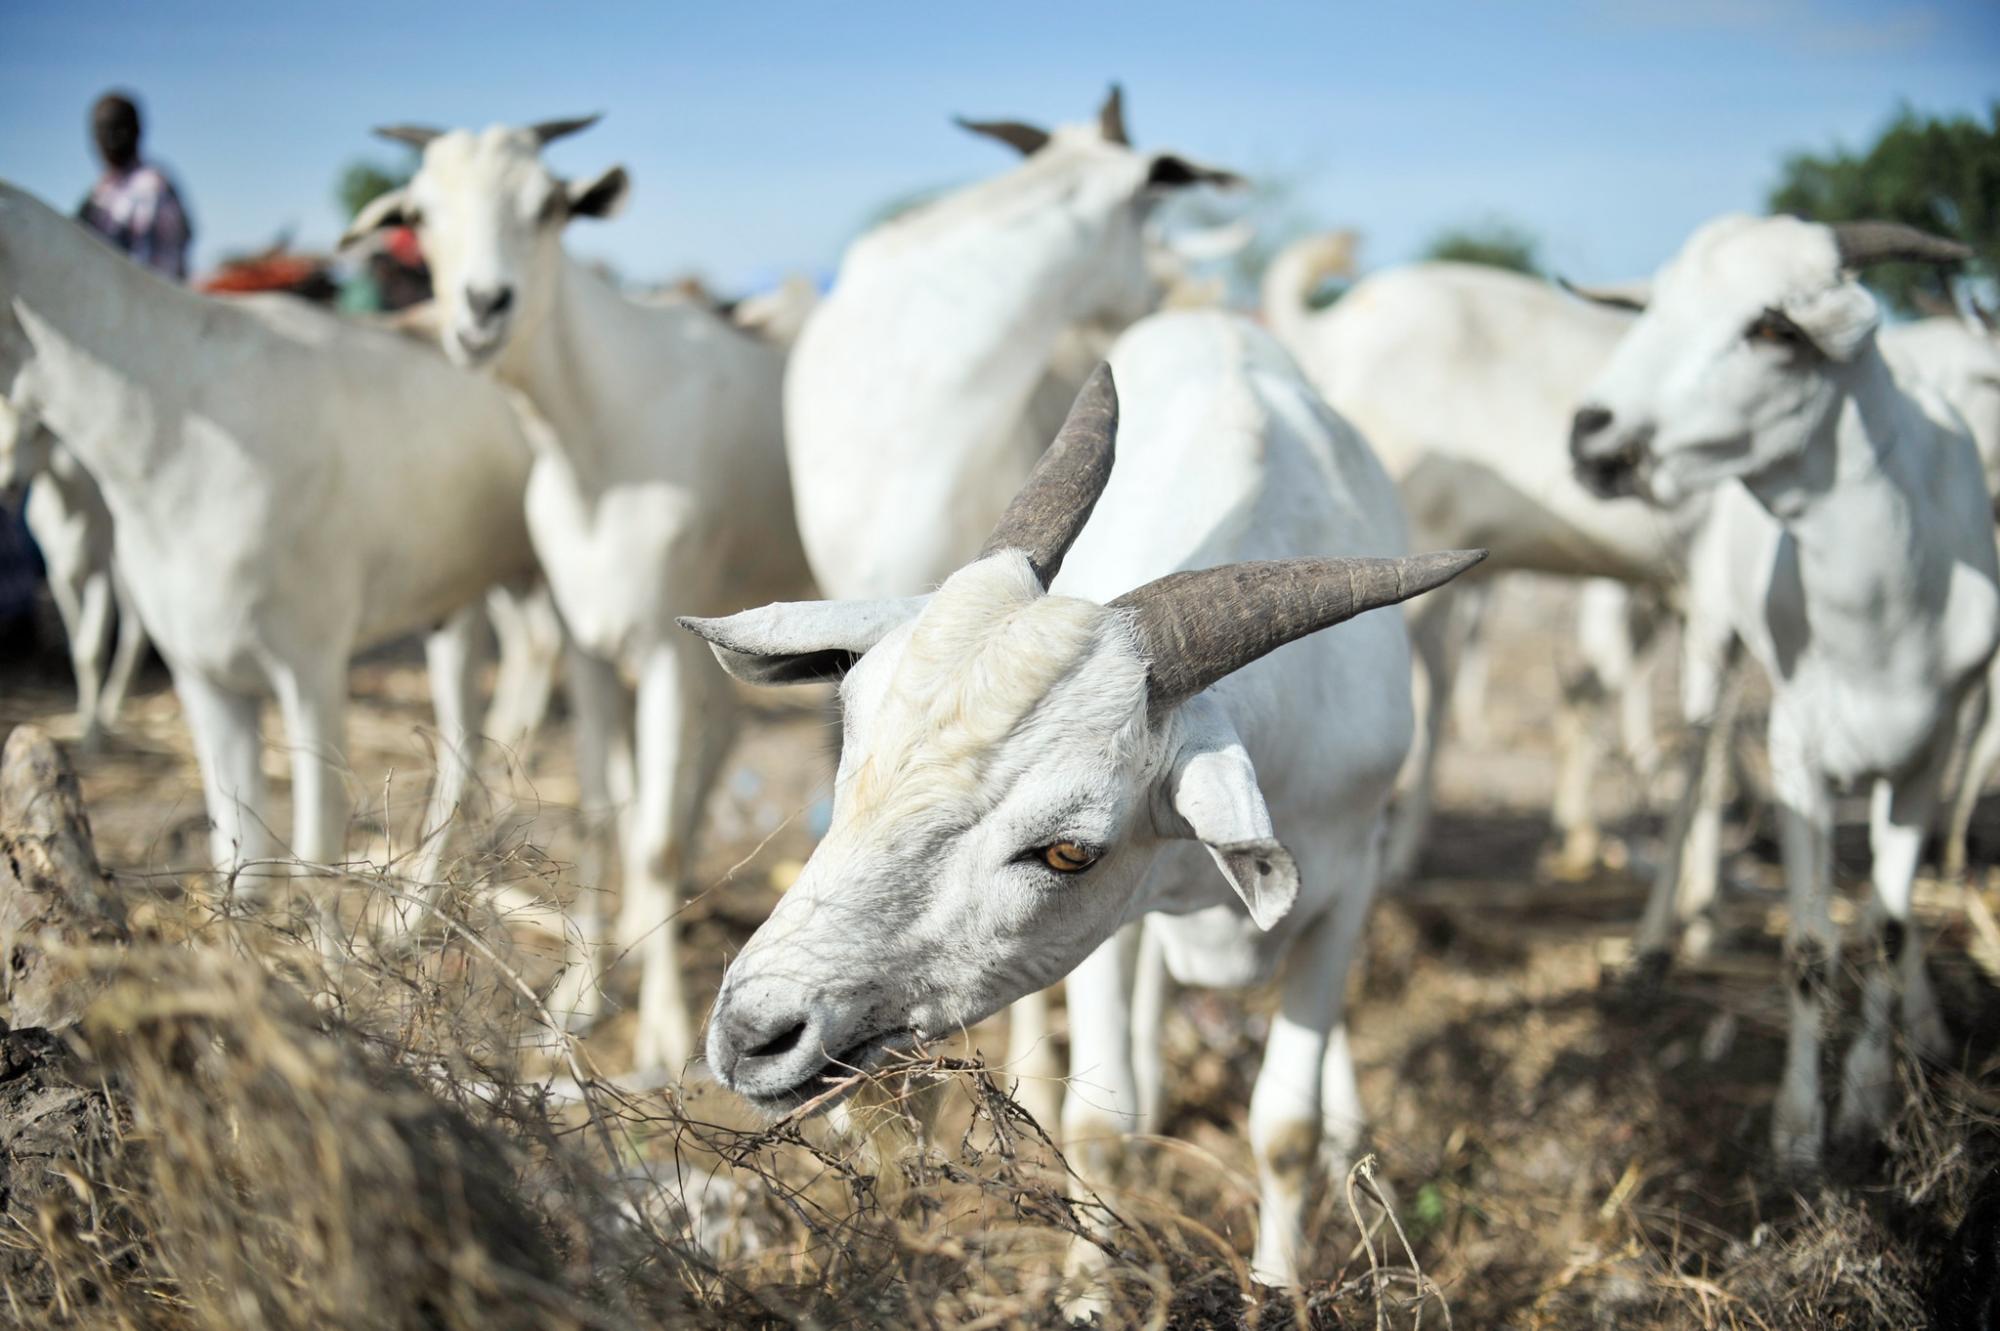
<point x="1563" y="1150"/>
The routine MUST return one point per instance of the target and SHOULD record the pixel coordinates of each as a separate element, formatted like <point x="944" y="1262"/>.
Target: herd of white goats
<point x="1057" y="674"/>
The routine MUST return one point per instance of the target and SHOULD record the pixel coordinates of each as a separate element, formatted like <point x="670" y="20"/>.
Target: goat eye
<point x="1773" y="329"/>
<point x="1067" y="857"/>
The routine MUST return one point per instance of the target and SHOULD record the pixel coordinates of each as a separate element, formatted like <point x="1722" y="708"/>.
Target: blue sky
<point x="759" y="136"/>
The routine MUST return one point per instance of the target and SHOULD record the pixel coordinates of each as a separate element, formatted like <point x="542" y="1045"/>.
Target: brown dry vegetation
<point x="265" y="1135"/>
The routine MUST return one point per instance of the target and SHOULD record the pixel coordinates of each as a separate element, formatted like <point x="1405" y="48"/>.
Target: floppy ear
<point x="800" y="642"/>
<point x="391" y="208"/>
<point x="1213" y="787"/>
<point x="1838" y="318"/>
<point x="600" y="197"/>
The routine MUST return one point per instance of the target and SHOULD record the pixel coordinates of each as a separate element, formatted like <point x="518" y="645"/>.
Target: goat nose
<point x="489" y="305"/>
<point x="1587" y="422"/>
<point x="751" y="1036"/>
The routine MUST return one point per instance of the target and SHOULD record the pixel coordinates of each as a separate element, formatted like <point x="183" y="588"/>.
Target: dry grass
<point x="282" y="1154"/>
<point x="373" y="1142"/>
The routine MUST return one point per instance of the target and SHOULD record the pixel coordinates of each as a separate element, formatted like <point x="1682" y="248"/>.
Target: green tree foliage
<point x="361" y="182"/>
<point x="1496" y="244"/>
<point x="1939" y="174"/>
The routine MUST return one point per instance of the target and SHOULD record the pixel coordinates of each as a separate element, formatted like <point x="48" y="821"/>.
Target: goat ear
<point x="1838" y="318"/>
<point x="387" y="209"/>
<point x="1218" y="803"/>
<point x="1171" y="171"/>
<point x="800" y="642"/>
<point x="601" y="196"/>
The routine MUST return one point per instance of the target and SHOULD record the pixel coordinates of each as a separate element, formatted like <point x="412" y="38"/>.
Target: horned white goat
<point x="659" y="489"/>
<point x="1866" y="581"/>
<point x="72" y="528"/>
<point x="1962" y="367"/>
<point x="923" y="361"/>
<point x="1031" y="761"/>
<point x="285" y="488"/>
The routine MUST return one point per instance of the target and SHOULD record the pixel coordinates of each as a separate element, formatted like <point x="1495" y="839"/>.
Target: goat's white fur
<point x="927" y="360"/>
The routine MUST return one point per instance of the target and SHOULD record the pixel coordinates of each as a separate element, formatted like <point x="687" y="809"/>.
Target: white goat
<point x="659" y="489"/>
<point x="952" y="342"/>
<point x="72" y="528"/>
<point x="1025" y="771"/>
<point x="1962" y="367"/>
<point x="1464" y="378"/>
<point x="1872" y="600"/>
<point x="285" y="488"/>
<point x="923" y="361"/>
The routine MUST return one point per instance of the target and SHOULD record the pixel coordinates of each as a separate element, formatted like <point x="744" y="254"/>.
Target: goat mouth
<point x="837" y="1078"/>
<point x="1614" y="476"/>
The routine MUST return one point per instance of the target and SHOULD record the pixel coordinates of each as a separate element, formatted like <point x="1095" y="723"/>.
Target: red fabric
<point x="278" y="272"/>
<point x="401" y="243"/>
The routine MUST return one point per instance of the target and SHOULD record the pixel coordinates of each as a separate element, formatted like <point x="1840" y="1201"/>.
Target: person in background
<point x="133" y="204"/>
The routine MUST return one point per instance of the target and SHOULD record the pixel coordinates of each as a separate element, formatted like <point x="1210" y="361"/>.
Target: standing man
<point x="133" y="204"/>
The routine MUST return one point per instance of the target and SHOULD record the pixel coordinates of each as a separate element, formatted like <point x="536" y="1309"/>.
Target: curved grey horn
<point x="1023" y="138"/>
<point x="1863" y="243"/>
<point x="1111" y="117"/>
<point x="414" y="135"/>
<point x="548" y="131"/>
<point x="1050" y="509"/>
<point x="1198" y="626"/>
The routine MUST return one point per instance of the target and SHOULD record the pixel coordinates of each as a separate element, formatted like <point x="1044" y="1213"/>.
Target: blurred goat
<point x="1864" y="579"/>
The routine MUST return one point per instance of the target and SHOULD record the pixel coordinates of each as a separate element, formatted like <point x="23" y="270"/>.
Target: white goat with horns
<point x="1962" y="365"/>
<point x="1865" y="580"/>
<point x="1031" y="761"/>
<point x="659" y="489"/>
<point x="954" y="338"/>
<point x="926" y="359"/>
<point x="286" y="487"/>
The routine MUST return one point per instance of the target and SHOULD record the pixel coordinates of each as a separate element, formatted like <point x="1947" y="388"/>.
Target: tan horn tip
<point x="1438" y="567"/>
